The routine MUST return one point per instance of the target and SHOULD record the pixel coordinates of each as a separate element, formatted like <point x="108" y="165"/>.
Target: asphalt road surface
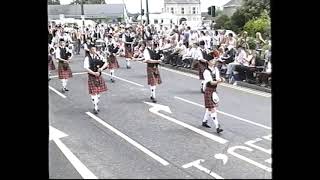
<point x="134" y="138"/>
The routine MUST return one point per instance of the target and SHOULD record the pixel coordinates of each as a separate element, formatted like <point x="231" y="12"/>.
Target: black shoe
<point x="98" y="110"/>
<point x="204" y="124"/>
<point x="49" y="79"/>
<point x="202" y="90"/>
<point x="66" y="89"/>
<point x="112" y="80"/>
<point x="151" y="98"/>
<point x="219" y="130"/>
<point x="95" y="111"/>
<point x="154" y="100"/>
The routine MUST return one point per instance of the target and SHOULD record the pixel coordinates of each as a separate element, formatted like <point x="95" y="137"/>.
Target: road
<point x="134" y="138"/>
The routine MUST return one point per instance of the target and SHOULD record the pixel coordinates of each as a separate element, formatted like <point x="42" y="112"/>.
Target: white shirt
<point x="240" y="58"/>
<point x="207" y="75"/>
<point x="197" y="54"/>
<point x="146" y="54"/>
<point x="86" y="63"/>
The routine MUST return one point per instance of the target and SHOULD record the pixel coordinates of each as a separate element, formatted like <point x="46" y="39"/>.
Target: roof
<point x="232" y="3"/>
<point x="89" y="9"/>
<point x="181" y="1"/>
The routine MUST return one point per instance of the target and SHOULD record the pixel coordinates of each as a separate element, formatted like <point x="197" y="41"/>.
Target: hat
<point x="201" y="43"/>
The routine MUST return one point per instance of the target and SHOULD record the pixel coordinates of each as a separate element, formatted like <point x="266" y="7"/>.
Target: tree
<point x="261" y="24"/>
<point x="221" y="21"/>
<point x="53" y="2"/>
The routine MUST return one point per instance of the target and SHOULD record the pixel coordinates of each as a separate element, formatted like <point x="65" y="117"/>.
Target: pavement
<point x="134" y="138"/>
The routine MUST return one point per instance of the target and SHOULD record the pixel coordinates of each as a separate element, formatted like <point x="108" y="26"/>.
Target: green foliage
<point x="53" y="2"/>
<point x="221" y="20"/>
<point x="261" y="24"/>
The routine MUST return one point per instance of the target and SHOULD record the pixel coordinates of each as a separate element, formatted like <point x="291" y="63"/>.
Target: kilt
<point x="96" y="84"/>
<point x="208" y="102"/>
<point x="128" y="52"/>
<point x="64" y="74"/>
<point x="153" y="75"/>
<point x="51" y="65"/>
<point x="201" y="70"/>
<point x="113" y="62"/>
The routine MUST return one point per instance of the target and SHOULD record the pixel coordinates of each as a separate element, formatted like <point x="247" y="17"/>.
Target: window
<point x="182" y="10"/>
<point x="197" y="10"/>
<point x="156" y="21"/>
<point x="189" y="10"/>
<point x="172" y="10"/>
<point x="193" y="10"/>
<point x="167" y="9"/>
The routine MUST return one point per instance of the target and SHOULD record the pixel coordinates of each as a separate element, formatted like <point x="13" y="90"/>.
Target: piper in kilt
<point x="152" y="59"/>
<point x="94" y="64"/>
<point x="63" y="56"/>
<point x="211" y="79"/>
<point x="200" y="55"/>
<point x="112" y="50"/>
<point x="128" y="38"/>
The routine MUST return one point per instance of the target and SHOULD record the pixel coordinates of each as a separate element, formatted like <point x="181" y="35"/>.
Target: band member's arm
<point x="87" y="67"/>
<point x="200" y="57"/>
<point x="85" y="47"/>
<point x="105" y="65"/>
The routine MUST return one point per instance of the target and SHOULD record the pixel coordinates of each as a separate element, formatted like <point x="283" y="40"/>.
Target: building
<point x="184" y="10"/>
<point x="230" y="7"/>
<point x="96" y="12"/>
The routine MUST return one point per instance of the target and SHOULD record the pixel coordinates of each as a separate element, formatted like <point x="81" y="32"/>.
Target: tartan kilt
<point x="113" y="62"/>
<point x="201" y="70"/>
<point x="208" y="102"/>
<point x="64" y="74"/>
<point x="51" y="65"/>
<point x="128" y="52"/>
<point x="152" y="78"/>
<point x="96" y="84"/>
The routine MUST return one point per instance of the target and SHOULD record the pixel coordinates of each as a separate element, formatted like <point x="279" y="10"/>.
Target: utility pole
<point x="147" y="13"/>
<point x="141" y="12"/>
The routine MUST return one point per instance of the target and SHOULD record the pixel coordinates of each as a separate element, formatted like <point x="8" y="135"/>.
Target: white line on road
<point x="251" y="143"/>
<point x="77" y="164"/>
<point x="222" y="84"/>
<point x="134" y="143"/>
<point x="79" y="73"/>
<point x="124" y="80"/>
<point x="59" y="93"/>
<point x="226" y="114"/>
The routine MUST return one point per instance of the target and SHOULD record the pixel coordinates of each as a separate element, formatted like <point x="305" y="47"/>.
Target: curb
<point x="239" y="83"/>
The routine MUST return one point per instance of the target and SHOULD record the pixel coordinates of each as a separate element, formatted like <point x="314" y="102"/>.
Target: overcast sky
<point x="133" y="6"/>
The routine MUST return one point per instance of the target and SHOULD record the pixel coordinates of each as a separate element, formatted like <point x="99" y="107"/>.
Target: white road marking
<point x="157" y="107"/>
<point x="137" y="84"/>
<point x="79" y="73"/>
<point x="59" y="93"/>
<point x="231" y="151"/>
<point x="196" y="164"/>
<point x="226" y="114"/>
<point x="251" y="143"/>
<point x="223" y="157"/>
<point x="268" y="137"/>
<point x="85" y="173"/>
<point x="128" y="139"/>
<point x="264" y="94"/>
<point x="268" y="160"/>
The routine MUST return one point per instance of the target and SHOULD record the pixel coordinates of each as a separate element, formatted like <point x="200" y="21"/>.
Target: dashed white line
<point x="222" y="84"/>
<point x="137" y="84"/>
<point x="226" y="114"/>
<point x="79" y="73"/>
<point x="54" y="90"/>
<point x="128" y="139"/>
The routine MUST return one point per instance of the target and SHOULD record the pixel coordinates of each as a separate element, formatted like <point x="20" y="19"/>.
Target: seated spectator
<point x="231" y="41"/>
<point x="243" y="40"/>
<point x="239" y="60"/>
<point x="187" y="57"/>
<point x="246" y="70"/>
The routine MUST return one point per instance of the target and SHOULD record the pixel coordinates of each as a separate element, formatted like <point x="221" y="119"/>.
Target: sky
<point x="133" y="6"/>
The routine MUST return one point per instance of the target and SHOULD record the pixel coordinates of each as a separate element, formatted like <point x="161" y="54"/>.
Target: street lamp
<point x="82" y="14"/>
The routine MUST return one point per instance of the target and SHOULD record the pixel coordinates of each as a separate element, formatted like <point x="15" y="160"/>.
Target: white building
<point x="184" y="10"/>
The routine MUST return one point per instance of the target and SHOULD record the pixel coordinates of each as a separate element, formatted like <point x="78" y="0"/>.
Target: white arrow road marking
<point x="268" y="160"/>
<point x="226" y="114"/>
<point x="222" y="84"/>
<point x="157" y="107"/>
<point x="55" y="134"/>
<point x="231" y="151"/>
<point x="251" y="143"/>
<point x="137" y="84"/>
<point x="196" y="164"/>
<point x="223" y="157"/>
<point x="268" y="137"/>
<point x="59" y="93"/>
<point x="134" y="143"/>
